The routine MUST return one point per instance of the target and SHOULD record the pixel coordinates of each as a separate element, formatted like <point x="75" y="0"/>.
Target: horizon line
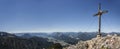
<point x="55" y="31"/>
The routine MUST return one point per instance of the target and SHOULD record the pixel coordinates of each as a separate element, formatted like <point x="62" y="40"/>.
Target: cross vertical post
<point x="99" y="29"/>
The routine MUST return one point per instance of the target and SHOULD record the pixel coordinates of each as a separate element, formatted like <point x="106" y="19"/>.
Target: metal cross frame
<point x="99" y="14"/>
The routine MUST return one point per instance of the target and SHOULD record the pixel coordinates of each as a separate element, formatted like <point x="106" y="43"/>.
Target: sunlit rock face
<point x="107" y="42"/>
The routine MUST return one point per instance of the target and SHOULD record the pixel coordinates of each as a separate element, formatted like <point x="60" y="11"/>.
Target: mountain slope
<point x="107" y="42"/>
<point x="10" y="41"/>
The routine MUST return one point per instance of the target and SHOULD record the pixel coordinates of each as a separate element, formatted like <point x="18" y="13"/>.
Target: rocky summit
<point x="107" y="42"/>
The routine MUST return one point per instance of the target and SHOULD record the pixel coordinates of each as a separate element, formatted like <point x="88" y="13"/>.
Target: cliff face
<point x="107" y="42"/>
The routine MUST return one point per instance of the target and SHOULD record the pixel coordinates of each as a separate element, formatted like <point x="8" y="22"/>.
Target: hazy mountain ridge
<point x="45" y="40"/>
<point x="10" y="41"/>
<point x="68" y="36"/>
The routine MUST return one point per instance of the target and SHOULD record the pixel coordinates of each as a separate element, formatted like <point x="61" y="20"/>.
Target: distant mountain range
<point x="65" y="37"/>
<point x="55" y="40"/>
<point x="11" y="41"/>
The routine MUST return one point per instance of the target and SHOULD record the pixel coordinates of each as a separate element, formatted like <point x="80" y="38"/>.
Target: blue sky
<point x="58" y="15"/>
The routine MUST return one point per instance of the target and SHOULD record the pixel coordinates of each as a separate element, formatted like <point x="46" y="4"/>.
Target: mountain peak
<point x="107" y="42"/>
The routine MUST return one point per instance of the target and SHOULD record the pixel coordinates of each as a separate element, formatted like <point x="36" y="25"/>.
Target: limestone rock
<point x="108" y="42"/>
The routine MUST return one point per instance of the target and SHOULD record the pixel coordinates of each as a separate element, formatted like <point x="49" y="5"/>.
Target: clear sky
<point x="58" y="15"/>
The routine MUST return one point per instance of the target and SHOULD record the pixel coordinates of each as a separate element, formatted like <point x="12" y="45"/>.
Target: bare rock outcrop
<point x="107" y="42"/>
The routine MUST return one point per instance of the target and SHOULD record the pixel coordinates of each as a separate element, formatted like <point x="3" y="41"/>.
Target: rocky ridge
<point x="107" y="42"/>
